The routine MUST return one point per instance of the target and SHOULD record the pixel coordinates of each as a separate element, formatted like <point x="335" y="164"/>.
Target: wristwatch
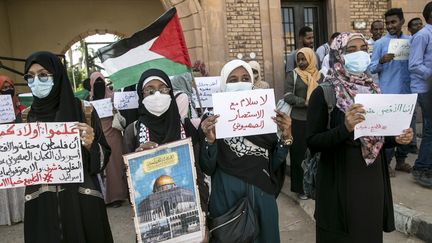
<point x="287" y="142"/>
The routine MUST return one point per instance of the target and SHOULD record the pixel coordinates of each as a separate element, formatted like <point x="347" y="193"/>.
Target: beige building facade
<point x="216" y="31"/>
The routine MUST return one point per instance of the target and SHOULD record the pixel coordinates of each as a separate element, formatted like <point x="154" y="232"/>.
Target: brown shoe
<point x="403" y="167"/>
<point x="392" y="173"/>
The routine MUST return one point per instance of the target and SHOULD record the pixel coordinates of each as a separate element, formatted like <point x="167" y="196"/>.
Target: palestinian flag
<point x="161" y="45"/>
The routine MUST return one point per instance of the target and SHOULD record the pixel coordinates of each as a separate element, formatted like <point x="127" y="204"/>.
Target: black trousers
<point x="297" y="154"/>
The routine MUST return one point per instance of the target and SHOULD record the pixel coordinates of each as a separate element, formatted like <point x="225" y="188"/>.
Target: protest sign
<point x="206" y="87"/>
<point x="7" y="112"/>
<point x="40" y="153"/>
<point x="244" y="113"/>
<point x="164" y="194"/>
<point x="104" y="107"/>
<point x="126" y="100"/>
<point x="399" y="47"/>
<point x="386" y="114"/>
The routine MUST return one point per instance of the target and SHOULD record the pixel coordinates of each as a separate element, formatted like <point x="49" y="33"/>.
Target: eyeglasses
<point x="43" y="77"/>
<point x="147" y="92"/>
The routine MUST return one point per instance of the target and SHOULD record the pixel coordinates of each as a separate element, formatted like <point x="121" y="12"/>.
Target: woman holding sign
<point x="251" y="167"/>
<point x="115" y="171"/>
<point x="299" y="85"/>
<point x="73" y="212"/>
<point x="11" y="200"/>
<point x="159" y="121"/>
<point x="353" y="194"/>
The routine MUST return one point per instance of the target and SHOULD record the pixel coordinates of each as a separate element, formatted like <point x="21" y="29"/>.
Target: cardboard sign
<point x="7" y="112"/>
<point x="40" y="153"/>
<point x="126" y="100"/>
<point x="386" y="114"/>
<point x="399" y="47"/>
<point x="103" y="107"/>
<point x="244" y="113"/>
<point x="165" y="195"/>
<point x="206" y="87"/>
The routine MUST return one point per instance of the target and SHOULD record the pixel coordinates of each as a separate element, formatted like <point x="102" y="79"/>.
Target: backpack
<point x="86" y="109"/>
<point x="310" y="162"/>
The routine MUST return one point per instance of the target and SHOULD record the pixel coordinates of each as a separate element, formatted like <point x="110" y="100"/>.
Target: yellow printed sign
<point x="160" y="162"/>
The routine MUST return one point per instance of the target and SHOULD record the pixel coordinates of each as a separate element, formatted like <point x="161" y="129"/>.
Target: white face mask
<point x="157" y="103"/>
<point x="238" y="86"/>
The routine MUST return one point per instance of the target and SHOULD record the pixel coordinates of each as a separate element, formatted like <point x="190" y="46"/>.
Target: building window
<point x="311" y="20"/>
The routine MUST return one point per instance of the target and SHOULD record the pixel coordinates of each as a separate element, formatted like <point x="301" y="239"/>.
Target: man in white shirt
<point x="324" y="49"/>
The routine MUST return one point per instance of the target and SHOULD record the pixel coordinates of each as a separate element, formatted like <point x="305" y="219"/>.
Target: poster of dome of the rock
<point x="164" y="194"/>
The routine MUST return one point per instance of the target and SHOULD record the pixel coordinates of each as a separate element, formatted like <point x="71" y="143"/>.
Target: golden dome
<point x="162" y="181"/>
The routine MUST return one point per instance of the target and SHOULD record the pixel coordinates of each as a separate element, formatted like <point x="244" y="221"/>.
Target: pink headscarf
<point x="93" y="77"/>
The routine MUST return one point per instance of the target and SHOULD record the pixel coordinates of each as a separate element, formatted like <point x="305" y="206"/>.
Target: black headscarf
<point x="58" y="105"/>
<point x="164" y="128"/>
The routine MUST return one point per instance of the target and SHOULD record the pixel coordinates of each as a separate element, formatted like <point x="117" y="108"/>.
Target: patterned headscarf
<point x="347" y="85"/>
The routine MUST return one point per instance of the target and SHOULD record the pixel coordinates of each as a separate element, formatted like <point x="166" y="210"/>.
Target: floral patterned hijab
<point x="347" y="85"/>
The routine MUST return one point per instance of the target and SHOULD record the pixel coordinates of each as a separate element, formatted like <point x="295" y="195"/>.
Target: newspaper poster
<point x="164" y="194"/>
<point x="126" y="100"/>
<point x="206" y="87"/>
<point x="7" y="113"/>
<point x="40" y="153"/>
<point x="244" y="113"/>
<point x="386" y="114"/>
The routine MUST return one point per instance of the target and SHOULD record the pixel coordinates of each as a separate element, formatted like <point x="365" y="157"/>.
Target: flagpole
<point x="198" y="95"/>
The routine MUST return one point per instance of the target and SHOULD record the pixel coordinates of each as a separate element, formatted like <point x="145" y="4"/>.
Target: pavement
<point x="412" y="205"/>
<point x="295" y="225"/>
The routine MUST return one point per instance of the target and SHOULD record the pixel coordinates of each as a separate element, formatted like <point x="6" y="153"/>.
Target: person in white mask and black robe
<point x="159" y="121"/>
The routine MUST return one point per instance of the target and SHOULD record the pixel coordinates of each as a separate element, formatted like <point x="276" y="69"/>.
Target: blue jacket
<point x="394" y="77"/>
<point x="420" y="59"/>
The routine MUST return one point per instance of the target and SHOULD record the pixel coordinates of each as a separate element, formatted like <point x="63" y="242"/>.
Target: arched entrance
<point x="69" y="21"/>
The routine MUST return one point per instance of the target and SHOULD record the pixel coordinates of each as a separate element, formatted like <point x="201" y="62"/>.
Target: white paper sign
<point x="206" y="87"/>
<point x="399" y="47"/>
<point x="7" y="113"/>
<point x="126" y="100"/>
<point x="244" y="113"/>
<point x="40" y="153"/>
<point x="103" y="107"/>
<point x="386" y="114"/>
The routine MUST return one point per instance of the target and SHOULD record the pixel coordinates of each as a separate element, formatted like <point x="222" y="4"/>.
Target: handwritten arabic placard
<point x="244" y="113"/>
<point x="399" y="47"/>
<point x="7" y="113"/>
<point x="126" y="100"/>
<point x="104" y="107"/>
<point x="386" y="114"/>
<point x="206" y="87"/>
<point x="40" y="153"/>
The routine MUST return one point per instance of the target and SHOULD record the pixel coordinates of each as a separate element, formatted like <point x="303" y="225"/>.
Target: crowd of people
<point x="251" y="167"/>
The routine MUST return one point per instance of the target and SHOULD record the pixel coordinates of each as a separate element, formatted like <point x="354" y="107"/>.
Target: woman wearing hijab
<point x="250" y="166"/>
<point x="11" y="200"/>
<point x="353" y="194"/>
<point x="258" y="83"/>
<point x="65" y="212"/>
<point x="297" y="94"/>
<point x="159" y="121"/>
<point x="7" y="87"/>
<point x="115" y="171"/>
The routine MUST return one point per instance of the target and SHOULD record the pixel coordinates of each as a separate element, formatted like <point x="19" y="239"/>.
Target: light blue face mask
<point x="357" y="62"/>
<point x="41" y="89"/>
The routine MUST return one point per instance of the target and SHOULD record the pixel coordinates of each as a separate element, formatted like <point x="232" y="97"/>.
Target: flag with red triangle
<point x="160" y="45"/>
